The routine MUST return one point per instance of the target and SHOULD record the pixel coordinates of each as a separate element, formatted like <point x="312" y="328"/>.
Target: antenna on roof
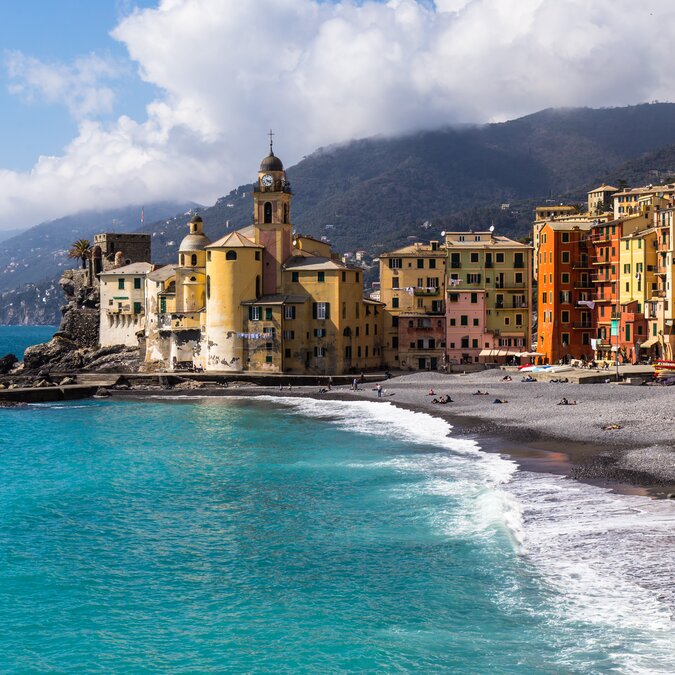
<point x="271" y="135"/>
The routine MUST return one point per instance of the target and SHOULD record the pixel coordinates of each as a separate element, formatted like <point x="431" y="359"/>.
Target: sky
<point x="118" y="102"/>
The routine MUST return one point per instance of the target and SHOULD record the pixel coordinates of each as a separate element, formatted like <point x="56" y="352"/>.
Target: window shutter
<point x="314" y="312"/>
<point x="250" y="313"/>
<point x="328" y="310"/>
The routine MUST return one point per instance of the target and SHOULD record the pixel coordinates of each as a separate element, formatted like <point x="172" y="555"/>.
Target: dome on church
<point x="271" y="163"/>
<point x="194" y="242"/>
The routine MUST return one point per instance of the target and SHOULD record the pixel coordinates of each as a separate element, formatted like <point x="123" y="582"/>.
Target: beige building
<point x="123" y="305"/>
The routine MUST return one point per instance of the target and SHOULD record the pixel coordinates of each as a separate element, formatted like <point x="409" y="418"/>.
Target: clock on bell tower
<point x="272" y="218"/>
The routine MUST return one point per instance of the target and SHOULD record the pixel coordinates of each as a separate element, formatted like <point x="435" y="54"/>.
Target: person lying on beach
<point x="564" y="401"/>
<point x="528" y="378"/>
<point x="507" y="378"/>
<point x="431" y="393"/>
<point x="500" y="400"/>
<point x="443" y="400"/>
<point x="478" y="392"/>
<point x="323" y="390"/>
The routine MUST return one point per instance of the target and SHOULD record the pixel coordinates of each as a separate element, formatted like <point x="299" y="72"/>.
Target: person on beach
<point x="330" y="382"/>
<point x="431" y="392"/>
<point x="379" y="390"/>
<point x="506" y="378"/>
<point x="355" y="385"/>
<point x="500" y="400"/>
<point x="478" y="392"/>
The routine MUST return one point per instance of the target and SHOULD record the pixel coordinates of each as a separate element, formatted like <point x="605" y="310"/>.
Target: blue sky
<point x="108" y="103"/>
<point x="59" y="31"/>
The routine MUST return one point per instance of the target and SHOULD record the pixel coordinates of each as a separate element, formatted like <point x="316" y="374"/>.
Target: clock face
<point x="267" y="180"/>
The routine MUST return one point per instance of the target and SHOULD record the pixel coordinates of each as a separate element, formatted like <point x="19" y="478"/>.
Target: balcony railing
<point x="584" y="264"/>
<point x="597" y="298"/>
<point x="426" y="290"/>
<point x="580" y="285"/>
<point x="582" y="325"/>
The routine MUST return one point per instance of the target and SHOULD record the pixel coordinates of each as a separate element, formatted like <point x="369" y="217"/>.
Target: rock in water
<point x="7" y="363"/>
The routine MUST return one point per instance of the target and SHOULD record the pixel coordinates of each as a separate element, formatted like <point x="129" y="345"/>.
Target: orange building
<point x="564" y="259"/>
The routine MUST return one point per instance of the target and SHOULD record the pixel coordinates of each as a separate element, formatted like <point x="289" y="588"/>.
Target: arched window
<point x="194" y="260"/>
<point x="257" y="287"/>
<point x="208" y="286"/>
<point x="267" y="215"/>
<point x="285" y="213"/>
<point x="182" y="259"/>
<point x="231" y="255"/>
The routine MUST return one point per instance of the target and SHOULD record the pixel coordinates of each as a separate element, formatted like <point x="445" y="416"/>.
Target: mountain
<point x="8" y="234"/>
<point x="380" y="192"/>
<point x="41" y="253"/>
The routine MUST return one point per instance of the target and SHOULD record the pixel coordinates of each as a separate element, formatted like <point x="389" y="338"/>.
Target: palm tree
<point x="80" y="249"/>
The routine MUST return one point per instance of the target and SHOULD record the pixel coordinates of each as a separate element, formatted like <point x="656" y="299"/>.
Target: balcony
<point x="120" y="309"/>
<point x="602" y="261"/>
<point x="599" y="299"/>
<point x="510" y="284"/>
<point x="658" y="294"/>
<point x="426" y="291"/>
<point x="582" y="285"/>
<point x="600" y="239"/>
<point x="583" y="264"/>
<point x="582" y="325"/>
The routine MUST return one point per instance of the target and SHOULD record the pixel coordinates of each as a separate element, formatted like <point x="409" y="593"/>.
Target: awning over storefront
<point x="501" y="352"/>
<point x="650" y="343"/>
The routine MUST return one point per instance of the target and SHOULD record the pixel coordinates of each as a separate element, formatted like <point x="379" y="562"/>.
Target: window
<point x="271" y="331"/>
<point x="319" y="332"/>
<point x="565" y="257"/>
<point x="565" y="339"/>
<point x="565" y="237"/>
<point x="519" y="277"/>
<point x="475" y="322"/>
<point x="473" y="278"/>
<point x="208" y="256"/>
<point x="420" y="263"/>
<point x="474" y="344"/>
<point x="208" y="286"/>
<point x="507" y="320"/>
<point x="289" y="334"/>
<point x="357" y="331"/>
<point x="257" y="255"/>
<point x="432" y="263"/>
<point x="499" y="257"/>
<point x="120" y="284"/>
<point x="394" y="303"/>
<point x="519" y="319"/>
<point x="231" y="255"/>
<point x="394" y="322"/>
<point x="269" y="359"/>
<point x="294" y="277"/>
<point x="453" y="322"/>
<point x="193" y="260"/>
<point x="289" y="312"/>
<point x="453" y="297"/>
<point x="321" y="310"/>
<point x="137" y="307"/>
<point x="137" y="282"/>
<point x="267" y="212"/>
<point x="394" y="282"/>
<point x="464" y="320"/>
<point x="268" y="346"/>
<point x="268" y="314"/>
<point x="474" y="257"/>
<point x="395" y="263"/>
<point x="320" y="277"/>
<point x="287" y="353"/>
<point x="394" y="342"/>
<point x="465" y="343"/>
<point x="254" y="313"/>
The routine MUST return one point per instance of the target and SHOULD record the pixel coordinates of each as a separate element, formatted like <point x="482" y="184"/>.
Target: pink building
<point x="466" y="334"/>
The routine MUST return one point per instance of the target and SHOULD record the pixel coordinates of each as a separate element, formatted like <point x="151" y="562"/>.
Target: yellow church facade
<point x="262" y="299"/>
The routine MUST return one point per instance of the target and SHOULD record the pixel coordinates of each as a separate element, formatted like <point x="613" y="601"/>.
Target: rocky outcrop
<point x="80" y="322"/>
<point x="63" y="355"/>
<point x="7" y="363"/>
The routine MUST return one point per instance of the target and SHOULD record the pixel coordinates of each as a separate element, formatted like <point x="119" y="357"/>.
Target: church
<point x="261" y="299"/>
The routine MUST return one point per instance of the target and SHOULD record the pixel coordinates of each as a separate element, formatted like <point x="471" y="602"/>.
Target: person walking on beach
<point x="354" y="385"/>
<point x="379" y="390"/>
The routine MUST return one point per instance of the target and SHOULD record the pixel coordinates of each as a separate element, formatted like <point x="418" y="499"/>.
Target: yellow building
<point x="262" y="299"/>
<point x="412" y="287"/>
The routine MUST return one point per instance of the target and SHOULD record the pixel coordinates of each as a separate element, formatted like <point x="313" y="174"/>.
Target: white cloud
<point x="79" y="86"/>
<point x="319" y="73"/>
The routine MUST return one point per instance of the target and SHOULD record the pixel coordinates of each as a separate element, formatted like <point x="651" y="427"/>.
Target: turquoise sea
<point x="293" y="535"/>
<point x="15" y="339"/>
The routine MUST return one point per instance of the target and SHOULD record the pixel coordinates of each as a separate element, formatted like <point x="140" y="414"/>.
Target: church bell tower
<point x="272" y="219"/>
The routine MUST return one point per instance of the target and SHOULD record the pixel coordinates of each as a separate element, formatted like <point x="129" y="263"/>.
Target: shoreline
<point x="606" y="462"/>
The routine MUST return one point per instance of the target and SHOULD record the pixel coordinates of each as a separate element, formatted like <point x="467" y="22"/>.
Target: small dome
<point x="271" y="163"/>
<point x="194" y="242"/>
<point x="196" y="219"/>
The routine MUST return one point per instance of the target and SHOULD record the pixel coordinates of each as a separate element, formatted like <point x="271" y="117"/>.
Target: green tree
<point x="80" y="249"/>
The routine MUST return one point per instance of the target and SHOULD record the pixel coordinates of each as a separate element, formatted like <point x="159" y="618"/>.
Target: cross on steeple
<point x="271" y="134"/>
